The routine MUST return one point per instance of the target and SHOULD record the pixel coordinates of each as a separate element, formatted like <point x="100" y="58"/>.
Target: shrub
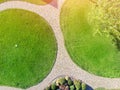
<point x="105" y="16"/>
<point x="53" y="86"/>
<point x="61" y="81"/>
<point x="57" y="82"/>
<point x="77" y="84"/>
<point x="70" y="82"/>
<point x="67" y="83"/>
<point x="67" y="78"/>
<point x="83" y="86"/>
<point x="72" y="87"/>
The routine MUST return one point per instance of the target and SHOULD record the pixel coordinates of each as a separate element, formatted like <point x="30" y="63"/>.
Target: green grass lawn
<point x="39" y="2"/>
<point x="2" y="1"/>
<point x="93" y="53"/>
<point x="27" y="48"/>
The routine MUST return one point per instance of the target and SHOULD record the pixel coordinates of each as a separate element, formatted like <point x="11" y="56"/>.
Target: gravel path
<point x="64" y="65"/>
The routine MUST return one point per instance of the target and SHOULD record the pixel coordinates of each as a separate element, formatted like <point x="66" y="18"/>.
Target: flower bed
<point x="67" y="83"/>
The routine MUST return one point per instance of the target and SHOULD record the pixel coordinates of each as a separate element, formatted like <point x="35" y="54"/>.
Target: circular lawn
<point x="27" y="48"/>
<point x="95" y="53"/>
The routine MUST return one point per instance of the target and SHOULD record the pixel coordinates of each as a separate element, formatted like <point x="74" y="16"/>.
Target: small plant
<point x="70" y="82"/>
<point x="77" y="84"/>
<point x="67" y="77"/>
<point x="61" y="81"/>
<point x="83" y="86"/>
<point x="72" y="87"/>
<point x="53" y="86"/>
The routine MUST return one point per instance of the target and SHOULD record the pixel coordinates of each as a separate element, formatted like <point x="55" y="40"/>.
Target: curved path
<point x="64" y="65"/>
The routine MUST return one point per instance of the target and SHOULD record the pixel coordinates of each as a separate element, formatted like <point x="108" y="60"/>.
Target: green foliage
<point x="53" y="86"/>
<point x="67" y="77"/>
<point x="105" y="16"/>
<point x="83" y="86"/>
<point x="70" y="82"/>
<point x="67" y="83"/>
<point x="77" y="84"/>
<point x="61" y="81"/>
<point x="72" y="87"/>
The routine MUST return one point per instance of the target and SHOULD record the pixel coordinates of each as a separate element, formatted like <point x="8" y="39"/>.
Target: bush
<point x="53" y="86"/>
<point x="83" y="86"/>
<point x="72" y="87"/>
<point x="70" y="82"/>
<point x="105" y="18"/>
<point x="67" y="83"/>
<point x="77" y="84"/>
<point x="67" y="78"/>
<point x="61" y="81"/>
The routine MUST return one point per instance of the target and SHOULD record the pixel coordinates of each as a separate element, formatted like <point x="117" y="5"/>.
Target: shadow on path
<point x="89" y="88"/>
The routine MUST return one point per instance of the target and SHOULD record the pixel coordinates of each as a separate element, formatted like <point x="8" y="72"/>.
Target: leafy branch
<point x="105" y="16"/>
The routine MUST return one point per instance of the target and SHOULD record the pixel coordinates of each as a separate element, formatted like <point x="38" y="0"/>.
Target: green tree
<point x="105" y="16"/>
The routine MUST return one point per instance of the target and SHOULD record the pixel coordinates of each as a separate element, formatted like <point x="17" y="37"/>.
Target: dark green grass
<point x="27" y="48"/>
<point x="95" y="54"/>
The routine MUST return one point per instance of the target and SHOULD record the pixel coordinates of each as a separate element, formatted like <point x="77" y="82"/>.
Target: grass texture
<point x="94" y="53"/>
<point x="27" y="48"/>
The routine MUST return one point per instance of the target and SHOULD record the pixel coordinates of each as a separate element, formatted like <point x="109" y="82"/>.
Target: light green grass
<point x="38" y="2"/>
<point x="95" y="54"/>
<point x="27" y="48"/>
